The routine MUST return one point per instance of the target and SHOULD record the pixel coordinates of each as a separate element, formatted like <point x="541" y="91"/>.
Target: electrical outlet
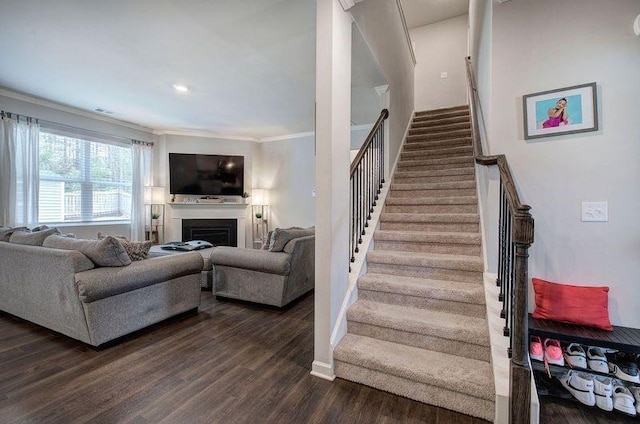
<point x="444" y="75"/>
<point x="595" y="211"/>
<point x="314" y="193"/>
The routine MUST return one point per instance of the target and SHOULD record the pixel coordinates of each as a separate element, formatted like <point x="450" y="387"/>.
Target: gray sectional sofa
<point x="276" y="275"/>
<point x="60" y="288"/>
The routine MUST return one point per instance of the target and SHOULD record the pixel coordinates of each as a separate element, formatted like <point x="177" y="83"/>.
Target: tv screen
<point x="206" y="175"/>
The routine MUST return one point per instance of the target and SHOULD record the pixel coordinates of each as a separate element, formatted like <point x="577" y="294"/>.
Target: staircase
<point x="418" y="328"/>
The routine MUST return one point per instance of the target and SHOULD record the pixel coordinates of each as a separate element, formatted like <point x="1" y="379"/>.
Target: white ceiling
<point x="250" y="63"/>
<point x="424" y="12"/>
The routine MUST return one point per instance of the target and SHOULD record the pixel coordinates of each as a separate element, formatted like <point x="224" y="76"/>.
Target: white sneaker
<point x="574" y="355"/>
<point x="622" y="400"/>
<point x="636" y="394"/>
<point x="603" y="389"/>
<point x="596" y="360"/>
<point x="580" y="385"/>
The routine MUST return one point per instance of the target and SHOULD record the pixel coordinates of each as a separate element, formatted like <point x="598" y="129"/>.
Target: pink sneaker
<point x="553" y="352"/>
<point x="535" y="349"/>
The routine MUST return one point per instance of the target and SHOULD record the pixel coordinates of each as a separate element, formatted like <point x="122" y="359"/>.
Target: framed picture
<point x="567" y="110"/>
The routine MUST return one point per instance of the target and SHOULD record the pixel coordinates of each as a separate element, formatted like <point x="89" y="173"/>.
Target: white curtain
<point x="142" y="155"/>
<point x="19" y="172"/>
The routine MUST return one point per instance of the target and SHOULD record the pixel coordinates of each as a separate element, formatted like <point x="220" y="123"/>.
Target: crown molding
<point x="287" y="137"/>
<point x="70" y="109"/>
<point x="204" y="134"/>
<point x="347" y="4"/>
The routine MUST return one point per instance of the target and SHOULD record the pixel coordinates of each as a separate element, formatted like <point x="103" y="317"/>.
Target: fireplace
<point x="220" y="232"/>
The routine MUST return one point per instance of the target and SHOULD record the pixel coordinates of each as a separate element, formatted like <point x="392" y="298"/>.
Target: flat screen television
<point x="206" y="175"/>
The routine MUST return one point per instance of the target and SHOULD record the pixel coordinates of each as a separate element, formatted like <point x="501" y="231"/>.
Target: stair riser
<point x="421" y="123"/>
<point x="440" y="248"/>
<point x="431" y="167"/>
<point x="436" y="173"/>
<point x="437" y="144"/>
<point x="423" y="341"/>
<point x="430" y="226"/>
<point x="431" y="209"/>
<point x="433" y="193"/>
<point x="417" y="129"/>
<point x="434" y="115"/>
<point x="460" y="308"/>
<point x="436" y="154"/>
<point x="472" y="277"/>
<point x="431" y="395"/>
<point x="440" y="136"/>
<point x="434" y="179"/>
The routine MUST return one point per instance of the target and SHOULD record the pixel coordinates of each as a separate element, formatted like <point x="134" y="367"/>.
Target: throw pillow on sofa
<point x="35" y="238"/>
<point x="6" y="232"/>
<point x="137" y="250"/>
<point x="105" y="252"/>
<point x="281" y="236"/>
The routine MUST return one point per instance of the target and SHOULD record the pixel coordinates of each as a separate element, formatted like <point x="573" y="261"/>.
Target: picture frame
<point x="568" y="110"/>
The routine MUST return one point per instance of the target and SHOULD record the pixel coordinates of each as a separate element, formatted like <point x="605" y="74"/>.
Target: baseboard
<point x="322" y="370"/>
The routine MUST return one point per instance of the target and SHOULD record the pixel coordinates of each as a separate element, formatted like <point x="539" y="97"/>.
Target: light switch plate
<point x="595" y="212"/>
<point x="444" y="75"/>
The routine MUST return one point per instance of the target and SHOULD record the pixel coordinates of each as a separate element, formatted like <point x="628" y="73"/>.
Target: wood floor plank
<point x="230" y="363"/>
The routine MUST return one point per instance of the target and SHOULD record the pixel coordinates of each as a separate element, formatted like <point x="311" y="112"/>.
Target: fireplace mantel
<point x="184" y="210"/>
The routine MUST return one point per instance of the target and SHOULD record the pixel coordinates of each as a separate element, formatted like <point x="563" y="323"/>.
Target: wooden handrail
<point x="384" y="114"/>
<point x="473" y="99"/>
<point x="515" y="236"/>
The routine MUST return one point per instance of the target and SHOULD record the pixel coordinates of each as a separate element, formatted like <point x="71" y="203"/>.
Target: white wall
<point x="287" y="169"/>
<point x="380" y="24"/>
<point x="550" y="44"/>
<point x="440" y="47"/>
<point x="166" y="144"/>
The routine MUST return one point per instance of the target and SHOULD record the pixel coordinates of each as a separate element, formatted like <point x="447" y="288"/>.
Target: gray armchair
<point x="262" y="276"/>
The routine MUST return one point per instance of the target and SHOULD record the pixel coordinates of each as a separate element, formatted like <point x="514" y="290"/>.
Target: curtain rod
<point x="71" y="127"/>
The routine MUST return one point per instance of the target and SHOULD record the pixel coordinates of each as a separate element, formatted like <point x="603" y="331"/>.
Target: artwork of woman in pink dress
<point x="557" y="115"/>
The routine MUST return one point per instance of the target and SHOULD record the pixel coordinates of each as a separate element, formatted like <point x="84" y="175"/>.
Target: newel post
<point x="520" y="405"/>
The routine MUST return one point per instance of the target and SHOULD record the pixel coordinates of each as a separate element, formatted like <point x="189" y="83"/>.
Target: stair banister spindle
<point x="367" y="178"/>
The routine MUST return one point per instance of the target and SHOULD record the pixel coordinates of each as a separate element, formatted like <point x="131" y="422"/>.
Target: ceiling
<point x="424" y="12"/>
<point x="250" y="64"/>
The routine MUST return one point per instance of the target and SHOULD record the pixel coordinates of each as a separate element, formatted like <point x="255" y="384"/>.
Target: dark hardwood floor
<point x="231" y="363"/>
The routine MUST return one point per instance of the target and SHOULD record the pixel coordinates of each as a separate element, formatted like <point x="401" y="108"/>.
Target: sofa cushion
<point x="32" y="238"/>
<point x="106" y="252"/>
<point x="101" y="283"/>
<point x="282" y="236"/>
<point x="137" y="250"/>
<point x="252" y="259"/>
<point x="5" y="232"/>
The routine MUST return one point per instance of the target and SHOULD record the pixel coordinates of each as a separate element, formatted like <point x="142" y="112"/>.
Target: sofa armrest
<point x="252" y="259"/>
<point x="100" y="283"/>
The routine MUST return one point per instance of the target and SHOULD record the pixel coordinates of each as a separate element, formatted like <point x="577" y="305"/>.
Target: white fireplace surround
<point x="180" y="211"/>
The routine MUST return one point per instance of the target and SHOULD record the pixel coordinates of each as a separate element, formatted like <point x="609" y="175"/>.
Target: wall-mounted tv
<point x="206" y="175"/>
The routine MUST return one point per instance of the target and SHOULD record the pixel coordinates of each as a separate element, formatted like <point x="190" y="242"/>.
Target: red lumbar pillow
<point x="574" y="304"/>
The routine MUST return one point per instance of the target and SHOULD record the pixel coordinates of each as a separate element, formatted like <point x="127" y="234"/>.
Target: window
<point x="83" y="179"/>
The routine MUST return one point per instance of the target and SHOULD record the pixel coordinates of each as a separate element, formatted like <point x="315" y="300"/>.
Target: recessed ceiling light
<point x="181" y="88"/>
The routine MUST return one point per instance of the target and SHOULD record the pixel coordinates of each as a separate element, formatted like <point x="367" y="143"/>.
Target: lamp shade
<point x="260" y="196"/>
<point x="157" y="195"/>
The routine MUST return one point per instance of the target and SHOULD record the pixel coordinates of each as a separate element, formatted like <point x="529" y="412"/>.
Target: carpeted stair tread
<point x="458" y="162"/>
<point x="415" y="129"/>
<point x="428" y="237"/>
<point x="451" y="151"/>
<point x="472" y="218"/>
<point x="425" y="123"/>
<point x="436" y="135"/>
<point x="464" y="375"/>
<point x="440" y="111"/>
<point x="439" y="324"/>
<point x="444" y="200"/>
<point x="434" y="186"/>
<point x="423" y="287"/>
<point x="436" y="144"/>
<point x="424" y="260"/>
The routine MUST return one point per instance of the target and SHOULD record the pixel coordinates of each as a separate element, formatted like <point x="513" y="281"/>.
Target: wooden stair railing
<point x="515" y="236"/>
<point x="367" y="179"/>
